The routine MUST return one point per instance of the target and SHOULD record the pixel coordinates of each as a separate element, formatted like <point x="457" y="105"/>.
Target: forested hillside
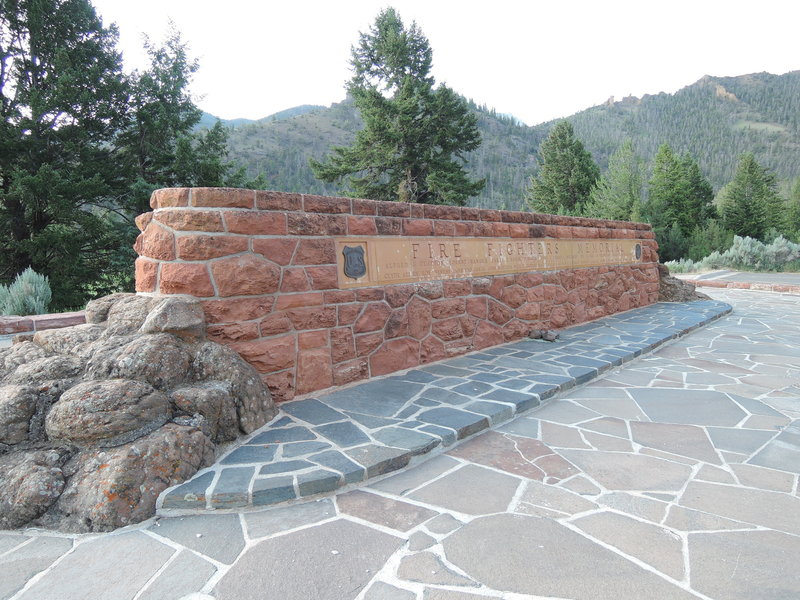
<point x="715" y="119"/>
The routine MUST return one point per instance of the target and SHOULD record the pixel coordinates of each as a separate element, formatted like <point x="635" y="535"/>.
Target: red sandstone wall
<point x="265" y="266"/>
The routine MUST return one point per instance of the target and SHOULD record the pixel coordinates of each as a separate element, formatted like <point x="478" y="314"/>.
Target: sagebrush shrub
<point x="747" y="254"/>
<point x="29" y="294"/>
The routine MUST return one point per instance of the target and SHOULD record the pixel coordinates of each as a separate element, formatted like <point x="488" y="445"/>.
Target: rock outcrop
<point x="672" y="289"/>
<point x="96" y="420"/>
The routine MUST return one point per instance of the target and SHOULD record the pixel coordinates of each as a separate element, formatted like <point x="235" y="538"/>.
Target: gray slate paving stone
<point x="420" y="541"/>
<point x="123" y="563"/>
<point x="498" y="413"/>
<point x="24" y="562"/>
<point x="277" y="436"/>
<point x="343" y="434"/>
<point x="444" y="396"/>
<point x="286" y="466"/>
<point x="378" y="398"/>
<point x="472" y="388"/>
<point x="216" y="536"/>
<point x="231" y="489"/>
<point x="686" y="440"/>
<point x="521" y="401"/>
<point x="333" y="561"/>
<point x="769" y="509"/>
<point x="426" y="567"/>
<point x="616" y="471"/>
<point x="689" y="407"/>
<point x="250" y="454"/>
<point x="470" y="490"/>
<point x="274" y="520"/>
<point x="415" y="376"/>
<point x="448" y="382"/>
<point x="651" y="544"/>
<point x="783" y="452"/>
<point x="414" y="441"/>
<point x="372" y="422"/>
<point x="442" y="524"/>
<point x="273" y="490"/>
<point x="312" y="411"/>
<point x="448" y="436"/>
<point x="464" y="423"/>
<point x="303" y="448"/>
<point x="403" y="482"/>
<point x="522" y="426"/>
<point x="350" y="470"/>
<point x="186" y="574"/>
<point x="379" y="459"/>
<point x="9" y="541"/>
<point x="765" y="564"/>
<point x="191" y="494"/>
<point x="318" y="482"/>
<point x="383" y="591"/>
<point x="566" y="564"/>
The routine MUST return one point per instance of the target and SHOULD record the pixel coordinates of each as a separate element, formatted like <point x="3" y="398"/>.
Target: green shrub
<point x="745" y="254"/>
<point x="683" y="265"/>
<point x="28" y="295"/>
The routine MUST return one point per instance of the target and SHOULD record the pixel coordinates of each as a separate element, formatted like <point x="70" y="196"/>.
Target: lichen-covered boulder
<point x="17" y="405"/>
<point x="162" y="360"/>
<point x="68" y="340"/>
<point x="127" y="314"/>
<point x="48" y="368"/>
<point x="118" y="486"/>
<point x="215" y="403"/>
<point x="116" y="410"/>
<point x="215" y="362"/>
<point x="31" y="482"/>
<point x="107" y="413"/>
<point x="19" y="354"/>
<point x="175" y="315"/>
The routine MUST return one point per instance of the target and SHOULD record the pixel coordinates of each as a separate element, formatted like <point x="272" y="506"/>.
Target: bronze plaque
<point x="389" y="260"/>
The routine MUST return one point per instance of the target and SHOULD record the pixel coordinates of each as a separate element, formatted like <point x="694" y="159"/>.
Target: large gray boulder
<point x="31" y="482"/>
<point x="17" y="406"/>
<point x="114" y="487"/>
<point x="107" y="413"/>
<point x="97" y="419"/>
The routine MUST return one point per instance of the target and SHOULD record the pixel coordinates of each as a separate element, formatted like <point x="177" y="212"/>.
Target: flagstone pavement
<point x="672" y="476"/>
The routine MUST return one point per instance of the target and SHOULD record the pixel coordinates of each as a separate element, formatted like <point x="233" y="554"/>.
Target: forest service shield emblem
<point x="354" y="264"/>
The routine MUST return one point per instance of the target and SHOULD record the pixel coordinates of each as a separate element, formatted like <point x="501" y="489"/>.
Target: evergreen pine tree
<point x="415" y="137"/>
<point x="751" y="205"/>
<point x="566" y="174"/>
<point x="618" y="193"/>
<point x="62" y="102"/>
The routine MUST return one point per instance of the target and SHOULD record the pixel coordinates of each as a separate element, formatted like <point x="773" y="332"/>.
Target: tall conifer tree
<point x="566" y="175"/>
<point x="751" y="204"/>
<point x="618" y="193"/>
<point x="415" y="137"/>
<point x="62" y="101"/>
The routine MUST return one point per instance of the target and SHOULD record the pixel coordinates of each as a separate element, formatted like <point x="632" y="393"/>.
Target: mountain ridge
<point x="715" y="119"/>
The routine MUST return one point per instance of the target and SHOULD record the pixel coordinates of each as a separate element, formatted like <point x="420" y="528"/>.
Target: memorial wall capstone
<point x="316" y="291"/>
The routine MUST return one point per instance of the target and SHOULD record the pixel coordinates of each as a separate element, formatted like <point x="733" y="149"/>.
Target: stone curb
<point x="343" y="438"/>
<point x="741" y="285"/>
<point x="33" y="323"/>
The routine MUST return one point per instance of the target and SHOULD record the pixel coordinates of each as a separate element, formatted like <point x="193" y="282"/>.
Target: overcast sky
<point x="537" y="60"/>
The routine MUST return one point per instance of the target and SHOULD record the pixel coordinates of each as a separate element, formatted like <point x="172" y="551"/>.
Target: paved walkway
<point x="673" y="476"/>
<point x="348" y="436"/>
